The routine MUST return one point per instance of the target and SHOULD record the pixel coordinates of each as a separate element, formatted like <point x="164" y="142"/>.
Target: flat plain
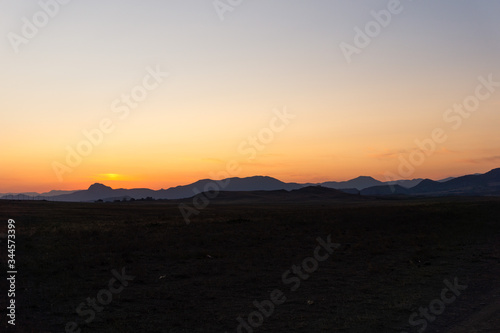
<point x="393" y="258"/>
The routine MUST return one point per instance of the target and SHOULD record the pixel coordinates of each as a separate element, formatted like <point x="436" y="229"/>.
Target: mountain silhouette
<point x="308" y="194"/>
<point x="99" y="188"/>
<point x="475" y="184"/>
<point x="385" y="190"/>
<point x="358" y="183"/>
<point x="254" y="183"/>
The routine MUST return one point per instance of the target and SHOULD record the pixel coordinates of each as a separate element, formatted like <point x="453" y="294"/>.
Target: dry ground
<point x="201" y="277"/>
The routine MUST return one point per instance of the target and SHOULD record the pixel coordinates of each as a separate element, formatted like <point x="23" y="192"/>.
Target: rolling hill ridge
<point x="477" y="184"/>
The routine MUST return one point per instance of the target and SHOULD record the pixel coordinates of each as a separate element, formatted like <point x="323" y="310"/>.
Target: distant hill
<point x="55" y="192"/>
<point x="309" y="194"/>
<point x="385" y="190"/>
<point x="33" y="195"/>
<point x="476" y="184"/>
<point x="20" y="196"/>
<point x="363" y="182"/>
<point x="100" y="192"/>
<point x="358" y="183"/>
<point x="255" y="183"/>
<point x="406" y="183"/>
<point x="446" y="179"/>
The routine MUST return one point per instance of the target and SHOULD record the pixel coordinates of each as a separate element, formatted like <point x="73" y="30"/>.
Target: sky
<point x="162" y="93"/>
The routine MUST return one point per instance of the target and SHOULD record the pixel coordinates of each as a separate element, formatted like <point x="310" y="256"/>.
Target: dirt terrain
<point x="391" y="257"/>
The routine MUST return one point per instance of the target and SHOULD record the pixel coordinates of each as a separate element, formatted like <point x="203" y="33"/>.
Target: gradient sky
<point x="226" y="78"/>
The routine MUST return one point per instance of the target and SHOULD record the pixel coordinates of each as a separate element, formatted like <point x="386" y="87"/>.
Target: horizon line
<point x="263" y="176"/>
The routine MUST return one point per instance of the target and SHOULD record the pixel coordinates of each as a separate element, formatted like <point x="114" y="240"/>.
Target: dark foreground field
<point x="392" y="260"/>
